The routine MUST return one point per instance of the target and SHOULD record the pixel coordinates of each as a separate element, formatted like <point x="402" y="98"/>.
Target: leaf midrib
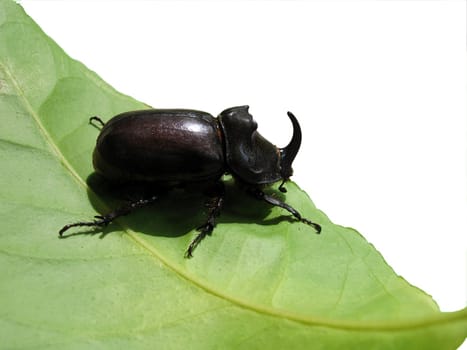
<point x="282" y="314"/>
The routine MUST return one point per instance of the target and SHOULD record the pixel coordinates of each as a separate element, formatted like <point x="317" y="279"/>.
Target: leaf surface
<point x="260" y="281"/>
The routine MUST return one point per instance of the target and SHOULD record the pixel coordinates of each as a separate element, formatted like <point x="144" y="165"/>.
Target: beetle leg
<point x="278" y="203"/>
<point x="214" y="205"/>
<point x="104" y="220"/>
<point x="97" y="119"/>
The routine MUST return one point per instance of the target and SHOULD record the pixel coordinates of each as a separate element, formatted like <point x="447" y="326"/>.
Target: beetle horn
<point x="289" y="152"/>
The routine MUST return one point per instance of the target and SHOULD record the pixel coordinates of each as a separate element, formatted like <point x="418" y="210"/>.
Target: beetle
<point x="168" y="148"/>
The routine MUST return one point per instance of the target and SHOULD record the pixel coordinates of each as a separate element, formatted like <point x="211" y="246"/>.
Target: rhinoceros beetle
<point x="180" y="147"/>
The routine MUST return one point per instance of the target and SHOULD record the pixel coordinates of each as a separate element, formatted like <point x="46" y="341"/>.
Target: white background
<point x="378" y="86"/>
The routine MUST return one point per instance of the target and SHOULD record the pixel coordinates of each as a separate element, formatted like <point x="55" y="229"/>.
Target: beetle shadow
<point x="175" y="212"/>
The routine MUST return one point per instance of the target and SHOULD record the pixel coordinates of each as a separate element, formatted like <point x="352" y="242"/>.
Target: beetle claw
<point x="97" y="119"/>
<point x="316" y="226"/>
<point x="204" y="230"/>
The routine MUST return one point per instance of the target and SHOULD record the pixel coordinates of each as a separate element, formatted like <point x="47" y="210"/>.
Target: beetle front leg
<point x="214" y="205"/>
<point x="104" y="220"/>
<point x="259" y="194"/>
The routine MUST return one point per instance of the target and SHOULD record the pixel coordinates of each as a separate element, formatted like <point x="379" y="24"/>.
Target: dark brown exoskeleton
<point x="169" y="147"/>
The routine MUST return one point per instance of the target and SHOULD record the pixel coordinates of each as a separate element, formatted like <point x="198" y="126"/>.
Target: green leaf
<point x="260" y="281"/>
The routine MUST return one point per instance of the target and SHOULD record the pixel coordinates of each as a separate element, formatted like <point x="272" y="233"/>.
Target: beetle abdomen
<point x="160" y="145"/>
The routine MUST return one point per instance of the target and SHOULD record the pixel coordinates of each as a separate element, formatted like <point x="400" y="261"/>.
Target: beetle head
<point x="249" y="155"/>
